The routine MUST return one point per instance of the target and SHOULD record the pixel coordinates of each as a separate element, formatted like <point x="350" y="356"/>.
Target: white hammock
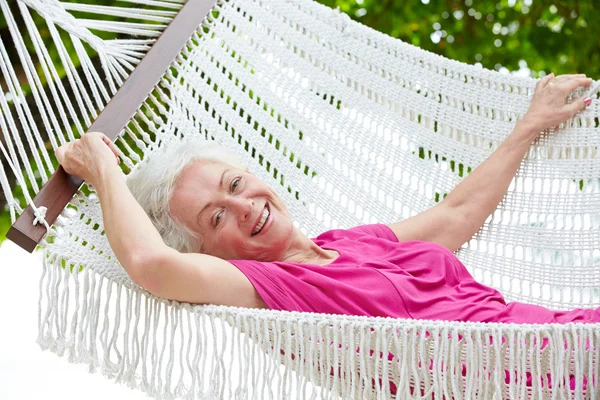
<point x="350" y="127"/>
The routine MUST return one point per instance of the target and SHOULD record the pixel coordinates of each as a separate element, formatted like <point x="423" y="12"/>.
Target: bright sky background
<point x="25" y="371"/>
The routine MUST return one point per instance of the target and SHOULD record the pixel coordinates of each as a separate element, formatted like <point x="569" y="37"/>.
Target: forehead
<point x="199" y="180"/>
<point x="203" y="169"/>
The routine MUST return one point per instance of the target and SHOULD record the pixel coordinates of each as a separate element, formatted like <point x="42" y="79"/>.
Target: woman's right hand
<point x="88" y="156"/>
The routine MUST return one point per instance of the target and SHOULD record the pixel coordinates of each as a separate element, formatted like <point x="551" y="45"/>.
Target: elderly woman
<point x="204" y="229"/>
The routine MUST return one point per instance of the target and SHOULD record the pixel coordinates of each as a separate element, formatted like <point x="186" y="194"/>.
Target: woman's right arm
<point x="163" y="271"/>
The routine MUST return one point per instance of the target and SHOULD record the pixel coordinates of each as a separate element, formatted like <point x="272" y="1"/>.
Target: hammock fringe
<point x="170" y="350"/>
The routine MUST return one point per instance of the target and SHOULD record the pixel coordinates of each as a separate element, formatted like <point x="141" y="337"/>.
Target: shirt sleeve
<point x="266" y="279"/>
<point x="378" y="230"/>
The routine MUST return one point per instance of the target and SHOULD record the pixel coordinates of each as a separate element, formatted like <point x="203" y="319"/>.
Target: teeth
<point x="262" y="221"/>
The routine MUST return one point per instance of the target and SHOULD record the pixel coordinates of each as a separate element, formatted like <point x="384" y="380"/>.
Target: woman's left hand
<point x="549" y="106"/>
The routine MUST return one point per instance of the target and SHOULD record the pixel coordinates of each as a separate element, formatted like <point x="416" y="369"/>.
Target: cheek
<point x="229" y="241"/>
<point x="219" y="243"/>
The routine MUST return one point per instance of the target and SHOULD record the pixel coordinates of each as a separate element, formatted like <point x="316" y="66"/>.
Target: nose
<point x="242" y="207"/>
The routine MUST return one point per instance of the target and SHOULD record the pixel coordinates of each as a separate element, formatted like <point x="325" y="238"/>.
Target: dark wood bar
<point x="60" y="188"/>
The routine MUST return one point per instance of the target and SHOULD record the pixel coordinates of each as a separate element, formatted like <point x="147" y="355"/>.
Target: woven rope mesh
<point x="352" y="127"/>
<point x="349" y="126"/>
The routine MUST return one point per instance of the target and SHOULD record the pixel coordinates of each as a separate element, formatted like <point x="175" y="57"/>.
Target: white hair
<point x="153" y="183"/>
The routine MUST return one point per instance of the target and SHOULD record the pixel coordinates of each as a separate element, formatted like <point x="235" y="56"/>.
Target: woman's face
<point x="226" y="207"/>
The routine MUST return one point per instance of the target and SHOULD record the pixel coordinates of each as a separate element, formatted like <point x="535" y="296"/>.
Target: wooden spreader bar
<point x="61" y="187"/>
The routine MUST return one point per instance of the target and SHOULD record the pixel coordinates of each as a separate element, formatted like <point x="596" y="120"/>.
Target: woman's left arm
<point x="461" y="214"/>
<point x="478" y="195"/>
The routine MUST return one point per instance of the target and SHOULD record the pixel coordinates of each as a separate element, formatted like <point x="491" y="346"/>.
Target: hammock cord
<point x="350" y="127"/>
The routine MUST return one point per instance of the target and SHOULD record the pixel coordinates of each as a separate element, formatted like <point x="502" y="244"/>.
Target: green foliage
<point x="558" y="36"/>
<point x="5" y="223"/>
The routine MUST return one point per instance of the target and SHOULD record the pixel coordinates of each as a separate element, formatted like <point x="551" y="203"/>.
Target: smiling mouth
<point x="263" y="221"/>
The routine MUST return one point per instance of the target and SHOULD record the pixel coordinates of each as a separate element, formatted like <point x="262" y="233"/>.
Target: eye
<point x="218" y="218"/>
<point x="235" y="184"/>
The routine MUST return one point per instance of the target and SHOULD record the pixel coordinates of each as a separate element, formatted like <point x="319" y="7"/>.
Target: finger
<point x="578" y="105"/>
<point x="569" y="76"/>
<point x="112" y="146"/>
<point x="573" y="84"/>
<point x="60" y="153"/>
<point x="545" y="80"/>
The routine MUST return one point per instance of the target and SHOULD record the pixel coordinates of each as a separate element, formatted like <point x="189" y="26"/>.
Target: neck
<point x="303" y="250"/>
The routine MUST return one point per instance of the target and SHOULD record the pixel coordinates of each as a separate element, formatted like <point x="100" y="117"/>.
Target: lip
<point x="258" y="220"/>
<point x="268" y="223"/>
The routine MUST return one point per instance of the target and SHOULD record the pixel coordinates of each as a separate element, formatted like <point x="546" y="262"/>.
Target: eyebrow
<point x="210" y="202"/>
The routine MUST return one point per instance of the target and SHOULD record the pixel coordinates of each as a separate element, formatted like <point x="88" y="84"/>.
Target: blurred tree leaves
<point x="531" y="36"/>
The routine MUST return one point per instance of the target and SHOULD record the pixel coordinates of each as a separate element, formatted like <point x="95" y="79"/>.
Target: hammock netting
<point x="350" y="127"/>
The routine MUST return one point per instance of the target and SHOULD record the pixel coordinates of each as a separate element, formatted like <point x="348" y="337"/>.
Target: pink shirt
<point x="375" y="275"/>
